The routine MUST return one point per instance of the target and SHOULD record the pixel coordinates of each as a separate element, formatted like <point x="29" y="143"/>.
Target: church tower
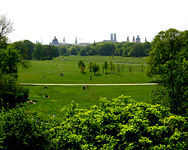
<point x="76" y="41"/>
<point x="112" y="38"/>
<point x="128" y="39"/>
<point x="133" y="39"/>
<point x="137" y="39"/>
<point x="115" y="40"/>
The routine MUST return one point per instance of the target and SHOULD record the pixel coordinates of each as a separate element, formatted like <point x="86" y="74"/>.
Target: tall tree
<point x="169" y="60"/>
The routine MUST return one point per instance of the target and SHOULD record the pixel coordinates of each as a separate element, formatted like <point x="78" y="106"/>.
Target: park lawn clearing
<point x="65" y="70"/>
<point x="51" y="71"/>
<point x="63" y="96"/>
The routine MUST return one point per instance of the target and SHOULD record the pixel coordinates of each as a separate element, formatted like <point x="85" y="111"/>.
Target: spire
<point x="112" y="38"/>
<point x="115" y="40"/>
<point x="133" y="39"/>
<point x="76" y="41"/>
<point x="128" y="39"/>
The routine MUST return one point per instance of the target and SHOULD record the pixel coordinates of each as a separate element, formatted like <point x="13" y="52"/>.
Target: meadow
<point x="49" y="71"/>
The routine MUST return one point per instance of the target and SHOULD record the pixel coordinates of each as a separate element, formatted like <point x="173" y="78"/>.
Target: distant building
<point x="133" y="39"/>
<point x="115" y="40"/>
<point x="112" y="37"/>
<point x="127" y="39"/>
<point x="137" y="39"/>
<point x="76" y="41"/>
<point x="55" y="42"/>
<point x="84" y="44"/>
<point x="107" y="41"/>
<point x="64" y="40"/>
<point x="145" y="39"/>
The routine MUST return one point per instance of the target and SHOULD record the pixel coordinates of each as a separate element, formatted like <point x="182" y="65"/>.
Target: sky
<point x="92" y="20"/>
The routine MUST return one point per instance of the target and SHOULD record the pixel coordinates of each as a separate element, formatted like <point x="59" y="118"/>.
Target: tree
<point x="169" y="60"/>
<point x="38" y="52"/>
<point x="62" y="50"/>
<point x="137" y="50"/>
<point x="9" y="60"/>
<point x="6" y="27"/>
<point x="95" y="68"/>
<point x="81" y="65"/>
<point x="105" y="67"/>
<point x="26" y="48"/>
<point x="83" y="52"/>
<point x="118" y="68"/>
<point x="90" y="67"/>
<point x="112" y="67"/>
<point x="11" y="93"/>
<point x="74" y="50"/>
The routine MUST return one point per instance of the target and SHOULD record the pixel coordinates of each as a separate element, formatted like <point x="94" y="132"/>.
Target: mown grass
<point x="60" y="96"/>
<point x="49" y="71"/>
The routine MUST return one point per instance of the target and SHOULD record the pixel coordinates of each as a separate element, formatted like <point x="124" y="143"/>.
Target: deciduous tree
<point x="169" y="60"/>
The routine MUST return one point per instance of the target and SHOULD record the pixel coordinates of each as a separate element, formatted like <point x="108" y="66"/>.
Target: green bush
<point x="119" y="123"/>
<point x="20" y="130"/>
<point x="11" y="93"/>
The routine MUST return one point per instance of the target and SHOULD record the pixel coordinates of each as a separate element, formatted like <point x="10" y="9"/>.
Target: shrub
<point x="11" y="93"/>
<point x="20" y="130"/>
<point x="121" y="123"/>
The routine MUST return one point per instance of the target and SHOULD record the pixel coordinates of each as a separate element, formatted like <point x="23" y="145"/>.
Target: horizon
<point x="91" y="21"/>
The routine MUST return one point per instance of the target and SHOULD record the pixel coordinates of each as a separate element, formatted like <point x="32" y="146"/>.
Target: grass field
<point x="61" y="96"/>
<point x="49" y="72"/>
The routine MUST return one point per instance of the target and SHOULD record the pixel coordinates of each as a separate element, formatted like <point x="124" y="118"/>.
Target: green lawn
<point x="48" y="71"/>
<point x="61" y="96"/>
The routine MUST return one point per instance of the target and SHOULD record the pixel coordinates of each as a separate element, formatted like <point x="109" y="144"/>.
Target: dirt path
<point x="128" y="84"/>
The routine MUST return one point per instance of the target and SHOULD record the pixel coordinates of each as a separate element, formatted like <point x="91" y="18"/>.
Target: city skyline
<point x="92" y="20"/>
<point x="112" y="38"/>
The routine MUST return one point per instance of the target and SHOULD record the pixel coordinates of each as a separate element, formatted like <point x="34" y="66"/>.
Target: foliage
<point x="45" y="52"/>
<point x="121" y="123"/>
<point x="169" y="60"/>
<point x="20" y="130"/>
<point x="11" y="93"/>
<point x="112" y="67"/>
<point x="81" y="65"/>
<point x="25" y="47"/>
<point x="90" y="67"/>
<point x="95" y="68"/>
<point x="105" y="67"/>
<point x="63" y="51"/>
<point x="9" y="60"/>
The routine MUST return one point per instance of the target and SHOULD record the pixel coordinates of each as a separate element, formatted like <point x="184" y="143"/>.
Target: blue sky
<point x="91" y="20"/>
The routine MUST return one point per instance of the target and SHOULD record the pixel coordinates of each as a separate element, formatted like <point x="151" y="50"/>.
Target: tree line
<point x="29" y="50"/>
<point x="126" y="49"/>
